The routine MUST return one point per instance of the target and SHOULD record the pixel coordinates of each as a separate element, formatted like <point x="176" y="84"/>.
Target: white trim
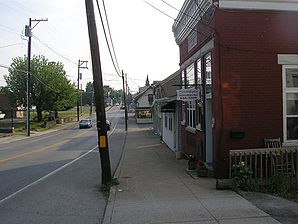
<point x="287" y="59"/>
<point x="284" y="92"/>
<point x="278" y="5"/>
<point x="188" y="17"/>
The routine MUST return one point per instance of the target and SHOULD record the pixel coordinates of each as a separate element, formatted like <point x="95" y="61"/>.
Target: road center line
<point x="53" y="172"/>
<point x="38" y="150"/>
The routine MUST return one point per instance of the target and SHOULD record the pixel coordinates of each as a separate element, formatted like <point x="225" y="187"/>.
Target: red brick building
<point x="243" y="57"/>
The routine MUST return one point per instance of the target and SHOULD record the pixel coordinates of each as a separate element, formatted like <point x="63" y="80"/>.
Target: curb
<point x="108" y="213"/>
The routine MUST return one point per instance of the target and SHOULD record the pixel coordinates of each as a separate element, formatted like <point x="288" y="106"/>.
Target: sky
<point x="142" y="37"/>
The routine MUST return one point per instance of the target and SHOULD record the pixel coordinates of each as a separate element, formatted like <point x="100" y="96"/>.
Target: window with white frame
<point x="191" y="114"/>
<point x="290" y="96"/>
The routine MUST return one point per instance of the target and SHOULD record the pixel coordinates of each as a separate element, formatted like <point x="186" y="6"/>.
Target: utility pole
<point x="81" y="64"/>
<point x="28" y="33"/>
<point x="124" y="99"/>
<point x="92" y="95"/>
<point x="98" y="95"/>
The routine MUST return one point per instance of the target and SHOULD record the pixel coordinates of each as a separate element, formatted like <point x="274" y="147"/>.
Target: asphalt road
<point x="55" y="178"/>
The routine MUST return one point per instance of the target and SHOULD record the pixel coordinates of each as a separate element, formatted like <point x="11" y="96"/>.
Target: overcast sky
<point x="142" y="36"/>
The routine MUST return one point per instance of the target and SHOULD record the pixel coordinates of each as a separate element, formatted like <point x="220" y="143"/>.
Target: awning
<point x="168" y="108"/>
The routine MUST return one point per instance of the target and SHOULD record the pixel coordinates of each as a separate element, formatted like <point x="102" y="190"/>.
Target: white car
<point x="2" y="115"/>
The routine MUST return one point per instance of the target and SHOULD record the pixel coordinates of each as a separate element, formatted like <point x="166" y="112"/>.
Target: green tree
<point x="50" y="90"/>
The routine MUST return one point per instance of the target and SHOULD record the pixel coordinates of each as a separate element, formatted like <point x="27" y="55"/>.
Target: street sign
<point x="188" y="94"/>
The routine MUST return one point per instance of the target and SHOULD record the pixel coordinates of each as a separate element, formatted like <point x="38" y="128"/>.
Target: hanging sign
<point x="188" y="94"/>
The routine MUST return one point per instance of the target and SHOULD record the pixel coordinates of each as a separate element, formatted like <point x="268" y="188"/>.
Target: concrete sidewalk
<point x="154" y="188"/>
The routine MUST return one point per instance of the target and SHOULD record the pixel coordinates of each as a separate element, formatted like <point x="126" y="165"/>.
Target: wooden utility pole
<point x="80" y="65"/>
<point x="98" y="95"/>
<point x="124" y="99"/>
<point x="28" y="33"/>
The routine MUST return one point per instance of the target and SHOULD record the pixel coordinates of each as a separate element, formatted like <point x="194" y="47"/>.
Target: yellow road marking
<point x="38" y="150"/>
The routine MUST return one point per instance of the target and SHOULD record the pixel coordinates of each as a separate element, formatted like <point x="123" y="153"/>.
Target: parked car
<point x="2" y="115"/>
<point x="85" y="123"/>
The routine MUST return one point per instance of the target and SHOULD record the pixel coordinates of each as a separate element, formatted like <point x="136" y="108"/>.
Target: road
<point x="55" y="178"/>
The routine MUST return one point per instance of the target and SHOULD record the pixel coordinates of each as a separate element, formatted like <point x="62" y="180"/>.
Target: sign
<point x="188" y="94"/>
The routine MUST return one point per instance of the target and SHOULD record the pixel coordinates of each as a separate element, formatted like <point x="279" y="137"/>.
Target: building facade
<point x="242" y="56"/>
<point x="166" y="111"/>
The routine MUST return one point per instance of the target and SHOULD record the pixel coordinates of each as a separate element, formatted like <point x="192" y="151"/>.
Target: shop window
<point x="144" y="114"/>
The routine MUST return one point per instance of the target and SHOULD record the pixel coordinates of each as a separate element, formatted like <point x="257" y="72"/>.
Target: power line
<point x="107" y="39"/>
<point x="160" y="11"/>
<point x="54" y="51"/>
<point x="193" y="29"/>
<point x="38" y="79"/>
<point x="10" y="45"/>
<point x="104" y="7"/>
<point x="192" y="17"/>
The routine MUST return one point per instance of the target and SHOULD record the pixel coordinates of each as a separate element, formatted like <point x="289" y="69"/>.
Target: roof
<point x="142" y="93"/>
<point x="170" y="85"/>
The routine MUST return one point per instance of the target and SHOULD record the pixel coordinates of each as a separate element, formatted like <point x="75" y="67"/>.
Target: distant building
<point x="166" y="111"/>
<point x="143" y="103"/>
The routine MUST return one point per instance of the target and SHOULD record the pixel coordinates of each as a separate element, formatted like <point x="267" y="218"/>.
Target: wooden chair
<point x="272" y="142"/>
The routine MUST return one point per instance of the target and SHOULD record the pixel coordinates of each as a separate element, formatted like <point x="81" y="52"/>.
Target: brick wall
<point x="248" y="81"/>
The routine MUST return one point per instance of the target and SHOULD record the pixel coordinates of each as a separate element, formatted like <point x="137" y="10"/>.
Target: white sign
<point x="188" y="94"/>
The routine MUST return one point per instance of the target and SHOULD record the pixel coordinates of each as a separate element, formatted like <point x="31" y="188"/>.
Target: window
<point x="170" y="123"/>
<point x="199" y="86"/>
<point x="191" y="114"/>
<point x="166" y="121"/>
<point x="144" y="114"/>
<point x="290" y="93"/>
<point x="208" y="73"/>
<point x="150" y="98"/>
<point x="182" y="79"/>
<point x="190" y="76"/>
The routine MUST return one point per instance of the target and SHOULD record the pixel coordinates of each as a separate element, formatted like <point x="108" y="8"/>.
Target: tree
<point x="50" y="90"/>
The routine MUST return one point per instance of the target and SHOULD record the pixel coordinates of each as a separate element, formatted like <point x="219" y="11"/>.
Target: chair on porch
<point x="280" y="162"/>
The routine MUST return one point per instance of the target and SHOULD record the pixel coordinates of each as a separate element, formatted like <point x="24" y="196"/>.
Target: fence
<point x="265" y="162"/>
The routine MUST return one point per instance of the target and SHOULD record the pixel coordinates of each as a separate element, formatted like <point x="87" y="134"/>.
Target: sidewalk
<point x="154" y="188"/>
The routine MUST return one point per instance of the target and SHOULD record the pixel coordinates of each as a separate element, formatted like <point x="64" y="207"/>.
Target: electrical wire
<point x="195" y="19"/>
<point x="193" y="29"/>
<point x="38" y="79"/>
<point x="104" y="7"/>
<point x="54" y="50"/>
<point x="105" y="34"/>
<point x="220" y="44"/>
<point x="10" y="45"/>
